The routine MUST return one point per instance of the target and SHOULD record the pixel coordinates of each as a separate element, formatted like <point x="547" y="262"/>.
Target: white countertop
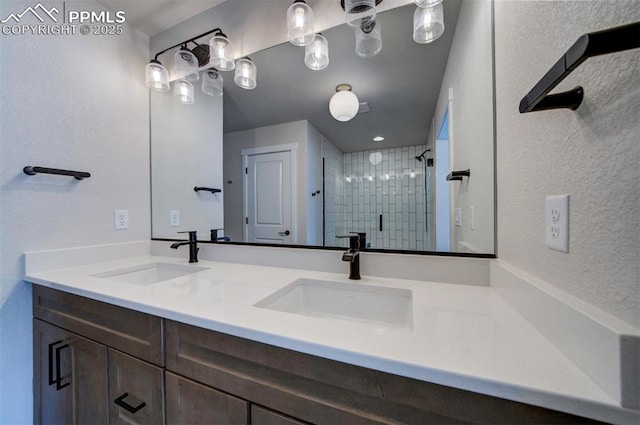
<point x="463" y="336"/>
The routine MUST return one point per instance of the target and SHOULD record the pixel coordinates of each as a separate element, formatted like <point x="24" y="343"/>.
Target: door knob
<point x="285" y="233"/>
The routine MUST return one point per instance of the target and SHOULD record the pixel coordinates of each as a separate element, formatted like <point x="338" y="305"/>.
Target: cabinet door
<point x="189" y="402"/>
<point x="262" y="416"/>
<point x="135" y="390"/>
<point x="70" y="385"/>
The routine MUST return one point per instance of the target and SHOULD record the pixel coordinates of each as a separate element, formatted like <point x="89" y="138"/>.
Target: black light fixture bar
<point x="611" y="40"/>
<point x="78" y="175"/>
<point x="218" y="31"/>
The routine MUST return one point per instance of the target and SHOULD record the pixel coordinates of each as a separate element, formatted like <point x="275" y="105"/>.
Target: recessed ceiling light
<point x="378" y="139"/>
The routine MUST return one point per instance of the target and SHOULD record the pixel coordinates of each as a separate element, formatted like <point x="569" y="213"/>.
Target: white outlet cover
<point x="174" y="218"/>
<point x="458" y="216"/>
<point x="557" y="222"/>
<point x="120" y="219"/>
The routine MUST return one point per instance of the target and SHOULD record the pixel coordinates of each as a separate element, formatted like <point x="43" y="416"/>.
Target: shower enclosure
<point x="384" y="193"/>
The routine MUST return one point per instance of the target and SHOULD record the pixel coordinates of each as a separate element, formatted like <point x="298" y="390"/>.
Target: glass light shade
<point x="427" y="3"/>
<point x="246" y="73"/>
<point x="186" y="65"/>
<point x="368" y="40"/>
<point x="359" y="12"/>
<point x="221" y="53"/>
<point x="156" y="76"/>
<point x="183" y="92"/>
<point x="300" y="30"/>
<point x="344" y="105"/>
<point x="212" y="82"/>
<point x="428" y="23"/>
<point x="316" y="54"/>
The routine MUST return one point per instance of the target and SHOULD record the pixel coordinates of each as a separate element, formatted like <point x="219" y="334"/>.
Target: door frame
<point x="292" y="148"/>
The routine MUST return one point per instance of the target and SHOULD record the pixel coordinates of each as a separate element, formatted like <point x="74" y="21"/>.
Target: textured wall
<point x="76" y="102"/>
<point x="592" y="154"/>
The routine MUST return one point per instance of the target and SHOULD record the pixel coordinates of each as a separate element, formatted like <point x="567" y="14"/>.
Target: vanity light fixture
<point x="344" y="104"/>
<point x="428" y="23"/>
<point x="358" y="13"/>
<point x="316" y="54"/>
<point x="246" y="73"/>
<point x="221" y="52"/>
<point x="427" y="3"/>
<point x="209" y="58"/>
<point x="183" y="92"/>
<point x="185" y="65"/>
<point x="212" y="82"/>
<point x="368" y="40"/>
<point x="300" y="30"/>
<point x="156" y="76"/>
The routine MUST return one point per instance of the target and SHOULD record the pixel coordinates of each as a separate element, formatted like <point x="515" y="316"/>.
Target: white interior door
<point x="269" y="207"/>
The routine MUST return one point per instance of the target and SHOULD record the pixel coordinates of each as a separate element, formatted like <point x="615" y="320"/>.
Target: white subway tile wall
<point x="387" y="183"/>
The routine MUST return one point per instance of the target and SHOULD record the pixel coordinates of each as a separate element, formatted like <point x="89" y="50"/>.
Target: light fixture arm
<point x="217" y="31"/>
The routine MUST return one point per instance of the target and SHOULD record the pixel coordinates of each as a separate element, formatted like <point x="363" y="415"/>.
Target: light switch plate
<point x="458" y="216"/>
<point x="557" y="223"/>
<point x="472" y="218"/>
<point x="174" y="218"/>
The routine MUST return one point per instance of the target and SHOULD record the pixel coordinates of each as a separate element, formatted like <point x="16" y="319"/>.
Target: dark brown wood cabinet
<point x="99" y="363"/>
<point x="70" y="377"/>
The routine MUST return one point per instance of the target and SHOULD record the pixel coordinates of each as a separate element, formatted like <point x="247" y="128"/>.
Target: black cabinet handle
<point x="54" y="377"/>
<point x="129" y="408"/>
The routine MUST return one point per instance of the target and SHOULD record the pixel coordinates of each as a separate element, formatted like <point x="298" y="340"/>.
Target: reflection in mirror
<point x="295" y="175"/>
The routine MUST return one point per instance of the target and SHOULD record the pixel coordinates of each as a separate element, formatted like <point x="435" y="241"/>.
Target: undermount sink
<point x="351" y="301"/>
<point x="148" y="274"/>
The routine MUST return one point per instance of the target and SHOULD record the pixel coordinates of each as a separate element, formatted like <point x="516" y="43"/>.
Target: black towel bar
<point x="458" y="175"/>
<point x="32" y="171"/>
<point x="206" y="189"/>
<point x="611" y="40"/>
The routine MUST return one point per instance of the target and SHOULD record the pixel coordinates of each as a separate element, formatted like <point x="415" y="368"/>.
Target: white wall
<point x="469" y="75"/>
<point x="75" y="102"/>
<point x="234" y="142"/>
<point x="591" y="154"/>
<point x="186" y="152"/>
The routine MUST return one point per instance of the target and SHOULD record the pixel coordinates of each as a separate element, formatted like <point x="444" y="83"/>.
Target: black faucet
<point x="193" y="246"/>
<point x="352" y="256"/>
<point x="215" y="238"/>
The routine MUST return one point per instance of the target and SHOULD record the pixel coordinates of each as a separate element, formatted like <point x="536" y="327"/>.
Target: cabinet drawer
<point x="135" y="391"/>
<point x="190" y="403"/>
<point x="262" y="416"/>
<point x="132" y="332"/>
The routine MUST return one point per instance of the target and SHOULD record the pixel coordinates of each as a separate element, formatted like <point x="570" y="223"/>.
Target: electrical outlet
<point x="121" y="219"/>
<point x="557" y="222"/>
<point x="458" y="216"/>
<point x="174" y="218"/>
<point x="472" y="218"/>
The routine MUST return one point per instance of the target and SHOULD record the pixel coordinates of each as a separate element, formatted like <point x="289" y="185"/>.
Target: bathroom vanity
<point x="144" y="338"/>
<point x="98" y="362"/>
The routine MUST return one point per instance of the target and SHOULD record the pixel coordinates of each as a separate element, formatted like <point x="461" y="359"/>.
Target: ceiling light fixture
<point x="300" y="30"/>
<point x="428" y="23"/>
<point x="344" y="104"/>
<point x="378" y="139"/>
<point x="316" y="54"/>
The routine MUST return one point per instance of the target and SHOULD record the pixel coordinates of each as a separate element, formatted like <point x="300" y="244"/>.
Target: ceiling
<point x="401" y="85"/>
<point x="154" y="16"/>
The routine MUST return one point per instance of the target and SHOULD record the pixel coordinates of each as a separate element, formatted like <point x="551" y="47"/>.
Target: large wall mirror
<point x="289" y="173"/>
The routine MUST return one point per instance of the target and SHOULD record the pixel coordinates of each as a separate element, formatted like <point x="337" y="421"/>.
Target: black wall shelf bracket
<point x="206" y="189"/>
<point x="611" y="40"/>
<point x="458" y="175"/>
<point x="78" y="175"/>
